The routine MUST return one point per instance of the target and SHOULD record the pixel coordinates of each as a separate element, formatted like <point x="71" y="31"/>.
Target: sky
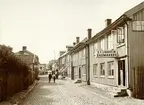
<point x="47" y="26"/>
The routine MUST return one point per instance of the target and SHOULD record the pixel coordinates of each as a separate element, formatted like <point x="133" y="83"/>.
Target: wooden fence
<point x="13" y="82"/>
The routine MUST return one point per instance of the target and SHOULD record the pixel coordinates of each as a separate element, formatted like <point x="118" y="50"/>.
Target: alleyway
<point x="64" y="92"/>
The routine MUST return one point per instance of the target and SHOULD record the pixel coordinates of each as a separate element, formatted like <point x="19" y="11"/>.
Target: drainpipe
<point x="88" y="63"/>
<point x="88" y="57"/>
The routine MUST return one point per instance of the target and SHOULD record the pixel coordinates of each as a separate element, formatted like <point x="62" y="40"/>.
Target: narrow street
<point x="64" y="92"/>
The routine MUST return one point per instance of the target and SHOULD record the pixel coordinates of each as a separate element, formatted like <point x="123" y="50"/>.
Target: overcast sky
<point x="47" y="26"/>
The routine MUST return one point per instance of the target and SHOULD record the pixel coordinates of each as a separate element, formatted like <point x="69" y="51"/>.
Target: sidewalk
<point x="109" y="91"/>
<point x="17" y="98"/>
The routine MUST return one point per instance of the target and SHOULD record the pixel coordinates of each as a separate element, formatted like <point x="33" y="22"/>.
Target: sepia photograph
<point x="71" y="52"/>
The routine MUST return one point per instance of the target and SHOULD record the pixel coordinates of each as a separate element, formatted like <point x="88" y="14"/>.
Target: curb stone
<point x="17" y="98"/>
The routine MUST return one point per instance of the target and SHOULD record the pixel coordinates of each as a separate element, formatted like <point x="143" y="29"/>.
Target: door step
<point x="122" y="93"/>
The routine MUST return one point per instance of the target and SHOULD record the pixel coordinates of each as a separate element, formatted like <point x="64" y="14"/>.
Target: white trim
<point x="120" y="45"/>
<point x="110" y="77"/>
<point x="102" y="76"/>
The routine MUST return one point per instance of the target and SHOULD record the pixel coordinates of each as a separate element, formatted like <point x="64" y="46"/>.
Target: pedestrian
<point x="50" y="76"/>
<point x="54" y="77"/>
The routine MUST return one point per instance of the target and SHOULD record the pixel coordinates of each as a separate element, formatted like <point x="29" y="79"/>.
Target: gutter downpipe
<point x="88" y="63"/>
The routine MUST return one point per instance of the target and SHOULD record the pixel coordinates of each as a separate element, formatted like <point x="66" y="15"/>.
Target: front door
<point x="79" y="72"/>
<point x="121" y="72"/>
<point x="72" y="73"/>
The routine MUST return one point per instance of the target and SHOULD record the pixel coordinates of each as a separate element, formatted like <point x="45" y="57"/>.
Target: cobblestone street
<point x="65" y="92"/>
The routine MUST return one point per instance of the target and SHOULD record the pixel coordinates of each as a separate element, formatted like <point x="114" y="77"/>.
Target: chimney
<point x="108" y="22"/>
<point x="74" y="43"/>
<point x="89" y="33"/>
<point x="77" y="39"/>
<point x="24" y="48"/>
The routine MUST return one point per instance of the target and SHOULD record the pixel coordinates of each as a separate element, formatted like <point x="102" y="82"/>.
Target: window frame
<point x="102" y="71"/>
<point x="120" y="34"/>
<point x="95" y="69"/>
<point x="111" y="69"/>
<point x="95" y="47"/>
<point x="102" y="43"/>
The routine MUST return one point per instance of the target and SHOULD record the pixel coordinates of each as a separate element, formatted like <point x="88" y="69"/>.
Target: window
<point x="120" y="35"/>
<point x="110" y="42"/>
<point x="102" y="69"/>
<point x="94" y="48"/>
<point x="138" y="25"/>
<point x="94" y="69"/>
<point x="83" y="53"/>
<point x="111" y="68"/>
<point x="102" y="44"/>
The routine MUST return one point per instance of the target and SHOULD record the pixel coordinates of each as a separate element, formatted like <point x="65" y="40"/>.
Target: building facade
<point x="114" y="55"/>
<point x="117" y="49"/>
<point x="78" y="57"/>
<point x="30" y="59"/>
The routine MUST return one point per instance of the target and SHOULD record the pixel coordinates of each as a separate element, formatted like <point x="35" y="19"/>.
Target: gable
<point x="134" y="10"/>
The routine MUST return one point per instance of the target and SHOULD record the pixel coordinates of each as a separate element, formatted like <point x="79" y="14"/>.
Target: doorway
<point x="72" y="73"/>
<point x="121" y="72"/>
<point x="79" y="72"/>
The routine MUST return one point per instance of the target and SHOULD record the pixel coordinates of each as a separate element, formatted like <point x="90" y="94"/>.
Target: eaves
<point x="106" y="30"/>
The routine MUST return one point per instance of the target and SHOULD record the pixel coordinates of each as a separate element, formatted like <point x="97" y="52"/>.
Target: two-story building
<point x="78" y="60"/>
<point x="115" y="55"/>
<point x="65" y="62"/>
<point x="30" y="59"/>
<point x="117" y="49"/>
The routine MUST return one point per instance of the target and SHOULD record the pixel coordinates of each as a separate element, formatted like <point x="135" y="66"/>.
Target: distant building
<point x="78" y="60"/>
<point x="29" y="58"/>
<point x="42" y="69"/>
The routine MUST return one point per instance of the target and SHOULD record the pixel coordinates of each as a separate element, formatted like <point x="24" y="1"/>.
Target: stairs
<point x="122" y="93"/>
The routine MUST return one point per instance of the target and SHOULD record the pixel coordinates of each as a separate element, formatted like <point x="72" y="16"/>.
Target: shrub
<point x="9" y="62"/>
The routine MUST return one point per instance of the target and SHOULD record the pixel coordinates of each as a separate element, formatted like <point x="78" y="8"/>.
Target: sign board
<point x="106" y="54"/>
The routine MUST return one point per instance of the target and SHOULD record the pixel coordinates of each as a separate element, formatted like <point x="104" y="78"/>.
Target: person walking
<point x="50" y="76"/>
<point x="54" y="77"/>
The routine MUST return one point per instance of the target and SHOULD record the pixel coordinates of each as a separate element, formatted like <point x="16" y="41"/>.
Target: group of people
<point x="52" y="76"/>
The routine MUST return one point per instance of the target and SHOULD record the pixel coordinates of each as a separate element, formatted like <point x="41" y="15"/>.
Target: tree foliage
<point x="9" y="62"/>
